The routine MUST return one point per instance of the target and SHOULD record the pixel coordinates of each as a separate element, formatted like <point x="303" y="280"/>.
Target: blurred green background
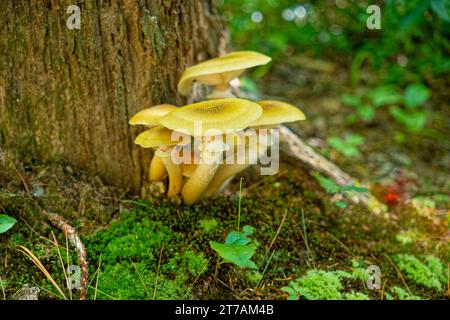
<point x="413" y="40"/>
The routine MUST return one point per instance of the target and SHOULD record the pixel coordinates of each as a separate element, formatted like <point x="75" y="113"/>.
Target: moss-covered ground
<point x="159" y="249"/>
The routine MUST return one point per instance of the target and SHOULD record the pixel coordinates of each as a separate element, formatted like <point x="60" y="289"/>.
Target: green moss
<point x="190" y="261"/>
<point x="318" y="285"/>
<point x="437" y="267"/>
<point x="356" y="296"/>
<point x="136" y="281"/>
<point x="208" y="225"/>
<point x="136" y="248"/>
<point x="420" y="273"/>
<point x="132" y="241"/>
<point x="400" y="294"/>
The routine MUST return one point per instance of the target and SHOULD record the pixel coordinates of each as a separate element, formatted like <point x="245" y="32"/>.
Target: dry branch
<point x="58" y="222"/>
<point x="296" y="147"/>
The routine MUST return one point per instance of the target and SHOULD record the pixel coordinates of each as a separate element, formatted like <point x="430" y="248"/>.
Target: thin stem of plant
<point x="63" y="266"/>
<point x="265" y="269"/>
<point x="305" y="238"/>
<point x="399" y="273"/>
<point x="276" y="234"/>
<point x="97" y="277"/>
<point x="27" y="252"/>
<point x="141" y="279"/>
<point x="157" y="272"/>
<point x="239" y="204"/>
<point x="217" y="268"/>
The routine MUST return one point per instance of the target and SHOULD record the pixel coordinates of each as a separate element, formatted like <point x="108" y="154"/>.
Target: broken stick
<point x="58" y="222"/>
<point x="296" y="147"/>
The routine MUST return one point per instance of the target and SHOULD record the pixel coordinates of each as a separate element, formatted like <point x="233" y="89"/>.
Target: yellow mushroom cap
<point x="276" y="112"/>
<point x="220" y="70"/>
<point x="220" y="115"/>
<point x="155" y="137"/>
<point x="151" y="116"/>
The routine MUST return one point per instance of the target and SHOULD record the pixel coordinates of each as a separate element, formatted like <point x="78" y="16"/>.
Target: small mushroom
<point x="220" y="71"/>
<point x="220" y="115"/>
<point x="161" y="138"/>
<point x="151" y="116"/>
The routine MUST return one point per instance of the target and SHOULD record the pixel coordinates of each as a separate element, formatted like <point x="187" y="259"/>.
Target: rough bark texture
<point x="67" y="95"/>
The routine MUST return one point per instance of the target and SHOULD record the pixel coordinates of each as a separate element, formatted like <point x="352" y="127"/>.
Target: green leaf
<point x="366" y="113"/>
<point x="239" y="255"/>
<point x="341" y="204"/>
<point x="237" y="248"/>
<point x="416" y="94"/>
<point x="353" y="188"/>
<point x="6" y="222"/>
<point x="412" y="120"/>
<point x="350" y="100"/>
<point x="384" y="95"/>
<point x="347" y="146"/>
<point x="354" y="139"/>
<point x="414" y="16"/>
<point x="438" y="6"/>
<point x="327" y="184"/>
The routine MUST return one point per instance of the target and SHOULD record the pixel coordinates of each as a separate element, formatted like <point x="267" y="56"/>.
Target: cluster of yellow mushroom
<point x="196" y="145"/>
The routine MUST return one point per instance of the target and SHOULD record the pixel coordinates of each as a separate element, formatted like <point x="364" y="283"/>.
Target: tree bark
<point x="67" y="95"/>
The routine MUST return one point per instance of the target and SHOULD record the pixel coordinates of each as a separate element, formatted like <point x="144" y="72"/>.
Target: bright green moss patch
<point x="427" y="274"/>
<point x="136" y="281"/>
<point x="144" y="259"/>
<point x="318" y="285"/>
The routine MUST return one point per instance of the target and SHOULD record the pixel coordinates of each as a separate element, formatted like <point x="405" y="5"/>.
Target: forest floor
<point x="307" y="242"/>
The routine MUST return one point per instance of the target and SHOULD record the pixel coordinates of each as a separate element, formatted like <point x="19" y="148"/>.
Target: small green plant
<point x="332" y="188"/>
<point x="367" y="104"/>
<point x="406" y="108"/>
<point x="237" y="249"/>
<point x="348" y="146"/>
<point x="6" y="222"/>
<point x="412" y="116"/>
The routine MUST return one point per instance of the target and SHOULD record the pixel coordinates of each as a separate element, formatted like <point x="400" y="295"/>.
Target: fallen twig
<point x="296" y="147"/>
<point x="58" y="222"/>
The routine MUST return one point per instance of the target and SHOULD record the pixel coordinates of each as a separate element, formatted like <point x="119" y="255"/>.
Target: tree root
<point x="58" y="222"/>
<point x="293" y="145"/>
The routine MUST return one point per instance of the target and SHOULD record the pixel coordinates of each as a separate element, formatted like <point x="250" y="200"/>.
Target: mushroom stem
<point x="221" y="91"/>
<point x="196" y="185"/>
<point x="157" y="171"/>
<point x="226" y="172"/>
<point x="173" y="170"/>
<point x="222" y="176"/>
<point x="202" y="176"/>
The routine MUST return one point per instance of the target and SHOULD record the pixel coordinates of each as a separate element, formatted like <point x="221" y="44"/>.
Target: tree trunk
<point x="67" y="95"/>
